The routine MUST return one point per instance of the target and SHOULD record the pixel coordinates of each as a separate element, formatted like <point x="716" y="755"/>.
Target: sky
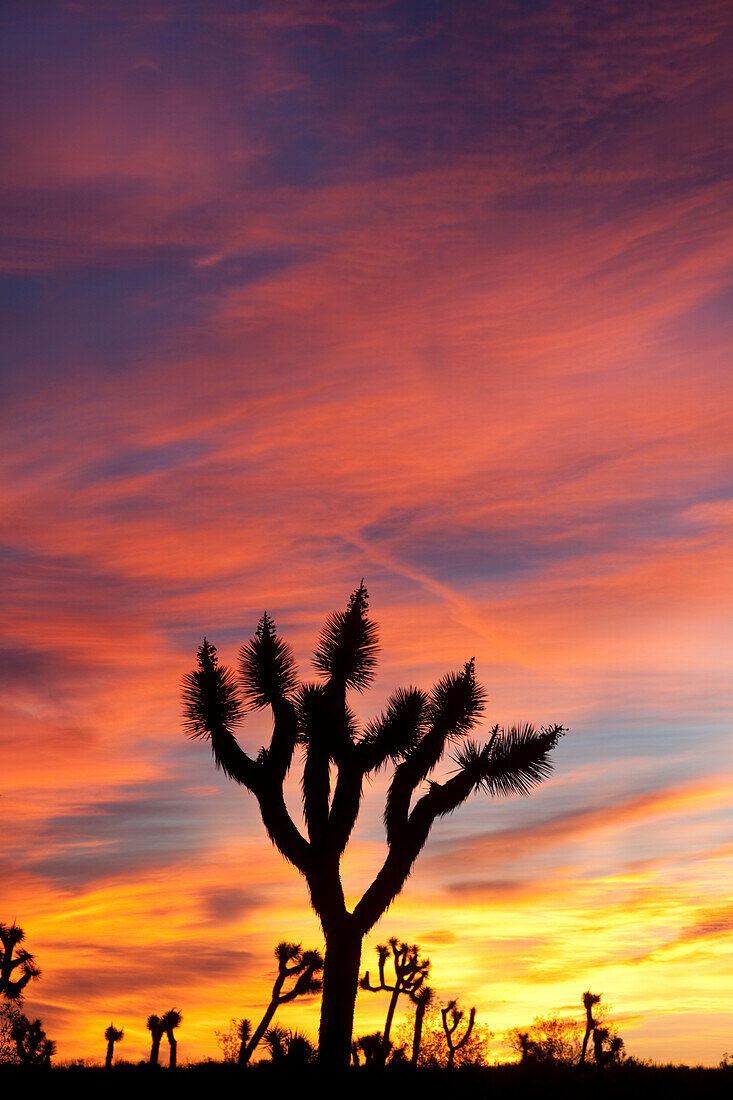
<point x="436" y="294"/>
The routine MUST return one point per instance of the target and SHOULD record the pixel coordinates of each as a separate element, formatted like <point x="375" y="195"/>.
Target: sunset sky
<point x="433" y="293"/>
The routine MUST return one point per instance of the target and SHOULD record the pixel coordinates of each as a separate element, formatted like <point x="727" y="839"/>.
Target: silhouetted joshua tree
<point x="526" y="1047"/>
<point x="14" y="958"/>
<point x="372" y="1047"/>
<point x="292" y="962"/>
<point x="112" y="1035"/>
<point x="169" y="1023"/>
<point x="155" y="1027"/>
<point x="410" y="973"/>
<point x="590" y="1000"/>
<point x="603" y="1057"/>
<point x="291" y="1047"/>
<point x="244" y="1032"/>
<point x="412" y="733"/>
<point x="423" y="998"/>
<point x="450" y="1027"/>
<point x="34" y="1049"/>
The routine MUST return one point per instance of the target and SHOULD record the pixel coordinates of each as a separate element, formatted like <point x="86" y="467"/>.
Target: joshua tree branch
<point x="280" y="827"/>
<point x="279" y="755"/>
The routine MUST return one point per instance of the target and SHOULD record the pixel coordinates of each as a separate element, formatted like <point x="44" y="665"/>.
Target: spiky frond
<point x="11" y="935"/>
<point x="210" y="699"/>
<point x="287" y="952"/>
<point x="267" y="667"/>
<point x="171" y="1019"/>
<point x="512" y="762"/>
<point x="244" y="1030"/>
<point x="113" y="1034"/>
<point x="312" y="960"/>
<point x="457" y="702"/>
<point x="397" y="730"/>
<point x="154" y="1024"/>
<point x="274" y="1040"/>
<point x="348" y="645"/>
<point x="307" y="984"/>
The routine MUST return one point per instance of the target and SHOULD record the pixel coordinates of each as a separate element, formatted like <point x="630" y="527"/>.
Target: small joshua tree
<point x="292" y="962"/>
<point x="291" y="1047"/>
<point x="590" y="1000"/>
<point x="33" y="1048"/>
<point x="372" y="1047"/>
<point x="410" y="974"/>
<point x="603" y="1056"/>
<point x="244" y="1034"/>
<point x="422" y="998"/>
<point x="17" y="966"/>
<point x="112" y="1035"/>
<point x="169" y="1023"/>
<point x="155" y="1027"/>
<point x="413" y="734"/>
<point x="452" y="1016"/>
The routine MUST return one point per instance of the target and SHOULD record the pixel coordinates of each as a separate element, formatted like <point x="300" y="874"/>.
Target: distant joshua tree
<point x="423" y="999"/>
<point x="291" y="1047"/>
<point x="292" y="962"/>
<point x="155" y="1027"/>
<point x="590" y="1000"/>
<point x="614" y="1053"/>
<point x="372" y="1047"/>
<point x="413" y="733"/>
<point x="13" y="958"/>
<point x="410" y="974"/>
<point x="169" y="1023"/>
<point x="452" y="1016"/>
<point x="244" y="1034"/>
<point x="112" y="1035"/>
<point x="33" y="1048"/>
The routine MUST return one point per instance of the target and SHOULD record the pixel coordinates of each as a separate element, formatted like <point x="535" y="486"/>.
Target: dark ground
<point x="269" y="1083"/>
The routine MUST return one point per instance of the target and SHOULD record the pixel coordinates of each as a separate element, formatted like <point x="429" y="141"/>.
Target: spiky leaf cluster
<point x="17" y="966"/>
<point x="348" y="646"/>
<point x="398" y="729"/>
<point x="267" y="667"/>
<point x="210" y="699"/>
<point x="512" y="762"/>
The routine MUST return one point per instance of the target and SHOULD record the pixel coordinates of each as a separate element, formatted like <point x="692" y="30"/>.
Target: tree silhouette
<point x="412" y="733"/>
<point x="452" y="1016"/>
<point x="590" y="1000"/>
<point x="32" y="1046"/>
<point x="169" y="1023"/>
<point x="410" y="973"/>
<point x="155" y="1027"/>
<point x="292" y="962"/>
<point x="422" y="998"/>
<point x="372" y="1047"/>
<point x="14" y="958"/>
<point x="291" y="1047"/>
<point x="244" y="1034"/>
<point x="112" y="1035"/>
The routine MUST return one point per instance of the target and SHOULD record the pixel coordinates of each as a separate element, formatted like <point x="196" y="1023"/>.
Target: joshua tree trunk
<point x="110" y="1050"/>
<point x="155" y="1049"/>
<point x="388" y="1023"/>
<point x="174" y="1050"/>
<point x="259" y="1031"/>
<point x="422" y="1005"/>
<point x="589" y="1002"/>
<point x="340" y="980"/>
